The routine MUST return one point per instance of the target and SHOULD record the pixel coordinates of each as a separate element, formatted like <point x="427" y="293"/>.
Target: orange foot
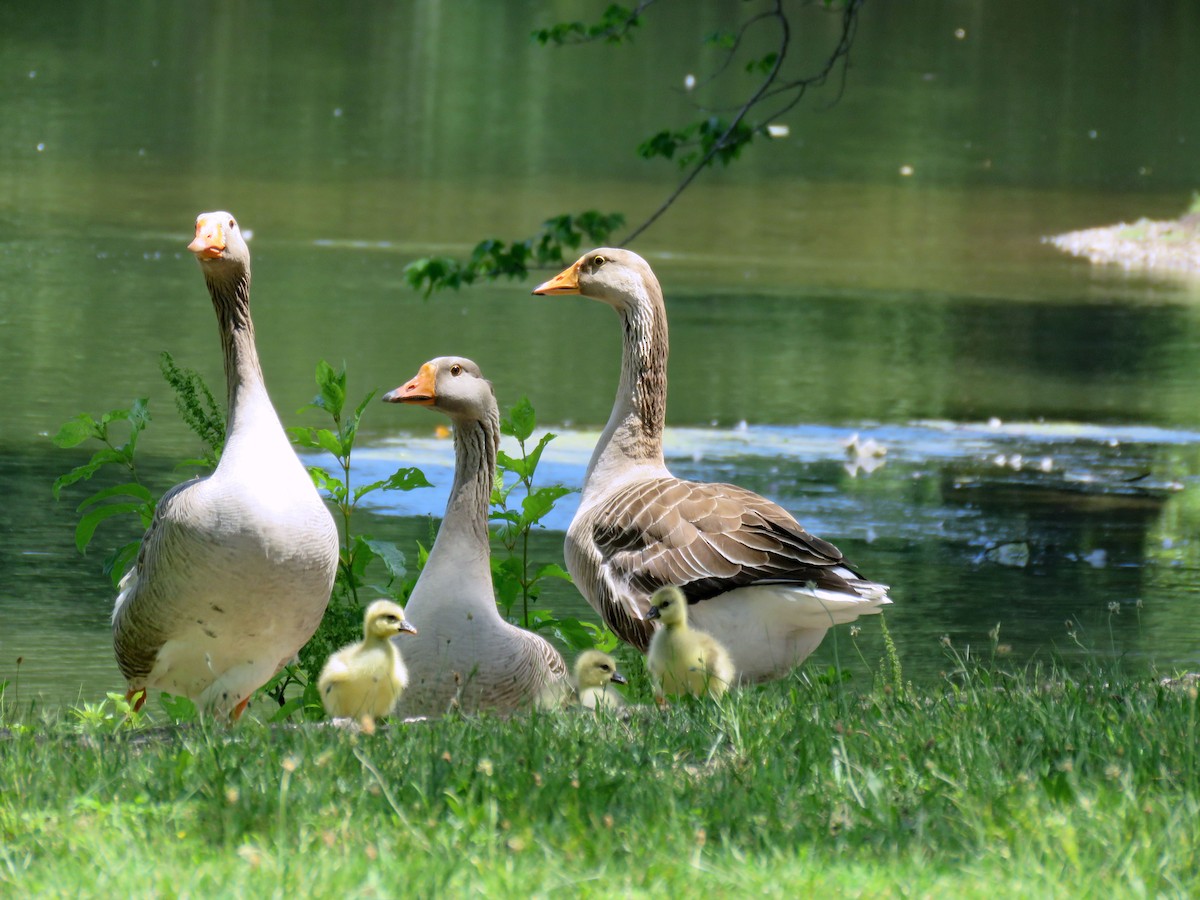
<point x="238" y="710"/>
<point x="140" y="693"/>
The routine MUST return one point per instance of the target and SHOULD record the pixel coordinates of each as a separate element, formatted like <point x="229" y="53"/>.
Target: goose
<point x="466" y="653"/>
<point x="594" y="673"/>
<point x="683" y="660"/>
<point x="235" y="571"/>
<point x="368" y="677"/>
<point x="750" y="571"/>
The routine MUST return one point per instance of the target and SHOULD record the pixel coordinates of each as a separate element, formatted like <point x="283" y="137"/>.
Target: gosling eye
<point x="598" y="261"/>
<point x="605" y="666"/>
<point x="456" y="370"/>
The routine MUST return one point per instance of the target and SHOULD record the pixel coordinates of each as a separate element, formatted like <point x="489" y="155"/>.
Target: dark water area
<point x="880" y="271"/>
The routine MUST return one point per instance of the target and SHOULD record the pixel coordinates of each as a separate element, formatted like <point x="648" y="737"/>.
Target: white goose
<point x="235" y="571"/>
<point x="466" y="653"/>
<point x="755" y="578"/>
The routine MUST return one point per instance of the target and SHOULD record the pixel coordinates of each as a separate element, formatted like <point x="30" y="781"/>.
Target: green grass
<point x="993" y="784"/>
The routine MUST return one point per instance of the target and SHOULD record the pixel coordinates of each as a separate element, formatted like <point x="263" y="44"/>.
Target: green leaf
<point x="287" y="708"/>
<point x="663" y="144"/>
<point x="552" y="570"/>
<point x="331" y="387"/>
<point x="330" y="443"/>
<point x="518" y="467"/>
<point x="520" y="421"/>
<point x="535" y="456"/>
<point x="303" y="436"/>
<point x="79" y="473"/>
<point x="178" y="708"/>
<point x="121" y="560"/>
<point x="129" y="489"/>
<point x="536" y="504"/>
<point x="575" y="633"/>
<point x="506" y="581"/>
<point x="75" y="431"/>
<point x="352" y="426"/>
<point x="406" y="479"/>
<point x="762" y="66"/>
<point x="390" y="555"/>
<point x="116" y="415"/>
<point x="90" y="520"/>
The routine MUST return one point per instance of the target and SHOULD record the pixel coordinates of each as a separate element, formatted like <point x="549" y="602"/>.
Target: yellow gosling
<point x="366" y="679"/>
<point x="682" y="660"/>
<point x="595" y="673"/>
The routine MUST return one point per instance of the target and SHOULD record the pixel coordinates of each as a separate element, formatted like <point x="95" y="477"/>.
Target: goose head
<point x="668" y="605"/>
<point x="451" y="384"/>
<point x="385" y="619"/>
<point x="219" y="244"/>
<point x="620" y="278"/>
<point x="594" y="669"/>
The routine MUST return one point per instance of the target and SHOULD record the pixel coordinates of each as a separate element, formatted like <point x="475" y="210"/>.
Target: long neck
<point x="634" y="431"/>
<point x="247" y="398"/>
<point x="231" y="299"/>
<point x="466" y="523"/>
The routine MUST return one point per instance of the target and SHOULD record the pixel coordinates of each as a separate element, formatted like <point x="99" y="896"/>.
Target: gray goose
<point x="236" y="569"/>
<point x="762" y="585"/>
<point x="465" y="652"/>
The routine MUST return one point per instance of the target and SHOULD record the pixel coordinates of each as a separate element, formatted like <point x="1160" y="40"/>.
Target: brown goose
<point x="235" y="571"/>
<point x="760" y="583"/>
<point x="466" y="653"/>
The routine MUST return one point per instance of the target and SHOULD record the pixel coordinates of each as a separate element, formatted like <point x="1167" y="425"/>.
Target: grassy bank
<point x="994" y="784"/>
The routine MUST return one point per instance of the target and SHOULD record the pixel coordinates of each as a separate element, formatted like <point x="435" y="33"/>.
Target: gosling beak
<point x="652" y="614"/>
<point x="407" y="626"/>
<point x="419" y="391"/>
<point x="618" y="678"/>
<point x="209" y="242"/>
<point x="565" y="282"/>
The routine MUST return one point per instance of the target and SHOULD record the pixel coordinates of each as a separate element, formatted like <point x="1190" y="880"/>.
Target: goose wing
<point x="708" y="539"/>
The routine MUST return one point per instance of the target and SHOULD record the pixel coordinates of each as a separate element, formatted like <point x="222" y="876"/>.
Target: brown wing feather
<point x="707" y="539"/>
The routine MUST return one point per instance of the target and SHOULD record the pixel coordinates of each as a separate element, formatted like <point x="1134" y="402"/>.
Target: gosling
<point x="364" y="680"/>
<point x="594" y="672"/>
<point x="682" y="660"/>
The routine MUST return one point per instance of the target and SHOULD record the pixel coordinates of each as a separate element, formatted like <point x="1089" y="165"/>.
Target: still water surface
<point x="1039" y="416"/>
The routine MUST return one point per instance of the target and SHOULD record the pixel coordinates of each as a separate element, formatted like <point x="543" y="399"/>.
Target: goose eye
<point x="598" y="261"/>
<point x="232" y="224"/>
<point x="456" y="369"/>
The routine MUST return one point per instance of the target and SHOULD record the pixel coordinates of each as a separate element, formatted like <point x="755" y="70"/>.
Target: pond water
<point x="1039" y="415"/>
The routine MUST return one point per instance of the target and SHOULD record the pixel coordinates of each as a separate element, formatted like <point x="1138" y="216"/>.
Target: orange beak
<point x="210" y="239"/>
<point x="565" y="282"/>
<point x="419" y="391"/>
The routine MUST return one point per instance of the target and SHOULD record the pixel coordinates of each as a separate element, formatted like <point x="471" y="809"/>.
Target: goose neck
<point x="633" y="435"/>
<point x="475" y="445"/>
<point x="243" y="372"/>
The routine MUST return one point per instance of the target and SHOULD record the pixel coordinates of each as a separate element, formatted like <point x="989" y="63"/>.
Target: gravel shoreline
<point x="1170" y="246"/>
